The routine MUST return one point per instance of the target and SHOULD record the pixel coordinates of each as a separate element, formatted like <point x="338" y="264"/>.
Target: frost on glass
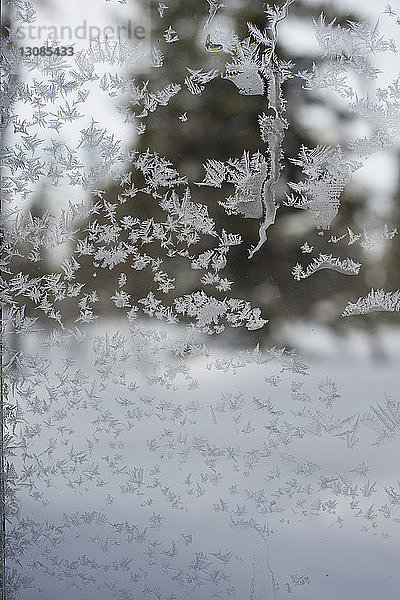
<point x="167" y="432"/>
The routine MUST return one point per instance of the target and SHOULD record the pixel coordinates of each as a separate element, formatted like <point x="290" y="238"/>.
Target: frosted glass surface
<point x="200" y="300"/>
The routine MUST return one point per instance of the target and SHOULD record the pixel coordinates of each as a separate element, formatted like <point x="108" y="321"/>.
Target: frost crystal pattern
<point x="185" y="411"/>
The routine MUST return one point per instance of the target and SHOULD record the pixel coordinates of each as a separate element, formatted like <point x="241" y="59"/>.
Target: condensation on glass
<point x="200" y="300"/>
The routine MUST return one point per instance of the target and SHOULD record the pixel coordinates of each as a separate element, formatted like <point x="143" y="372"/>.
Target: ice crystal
<point x="124" y="419"/>
<point x="247" y="174"/>
<point x="367" y="239"/>
<point x="327" y="174"/>
<point x="375" y="301"/>
<point x="326" y="261"/>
